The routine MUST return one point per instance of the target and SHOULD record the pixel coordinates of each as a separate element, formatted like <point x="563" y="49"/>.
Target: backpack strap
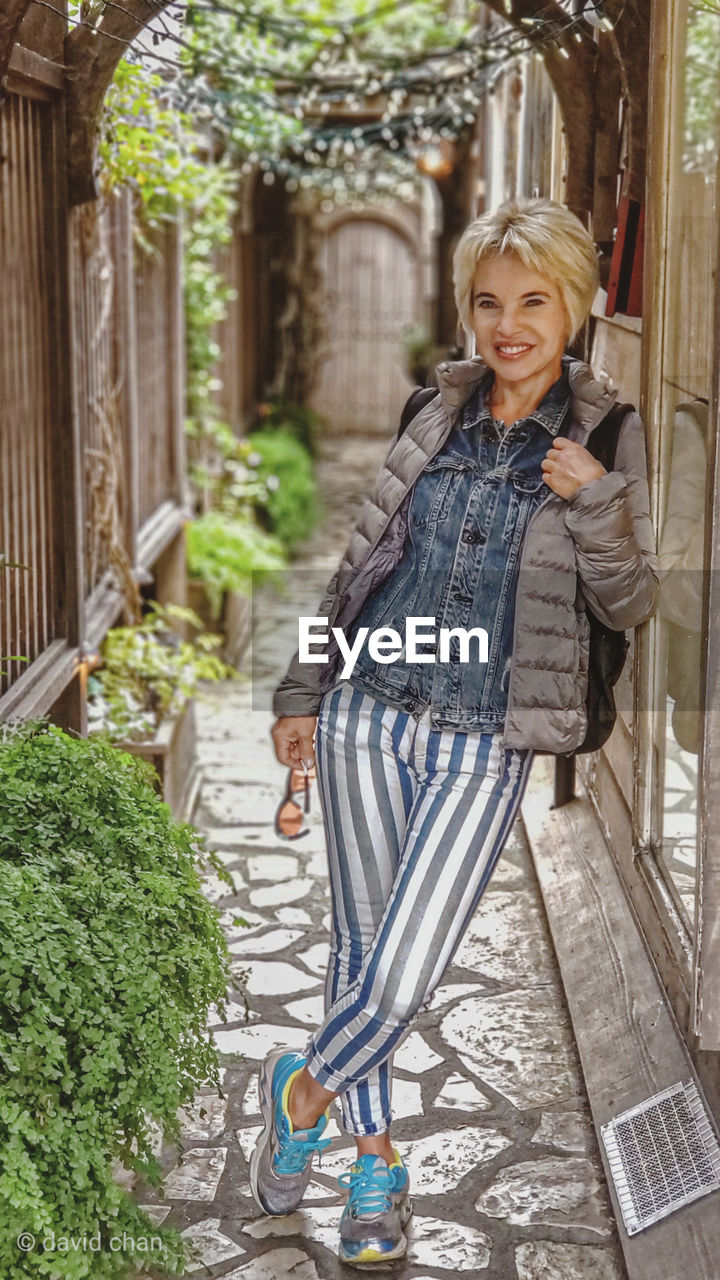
<point x="415" y="402"/>
<point x="602" y="441"/>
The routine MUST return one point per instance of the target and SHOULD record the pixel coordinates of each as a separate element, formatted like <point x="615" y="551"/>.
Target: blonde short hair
<point x="546" y="238"/>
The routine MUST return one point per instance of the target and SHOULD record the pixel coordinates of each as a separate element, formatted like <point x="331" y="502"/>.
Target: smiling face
<point x="519" y="321"/>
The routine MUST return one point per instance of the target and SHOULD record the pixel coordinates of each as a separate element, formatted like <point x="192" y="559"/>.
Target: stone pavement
<point x="491" y="1114"/>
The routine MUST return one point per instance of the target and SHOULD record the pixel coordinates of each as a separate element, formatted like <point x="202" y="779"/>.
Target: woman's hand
<point x="293" y="740"/>
<point x="568" y="466"/>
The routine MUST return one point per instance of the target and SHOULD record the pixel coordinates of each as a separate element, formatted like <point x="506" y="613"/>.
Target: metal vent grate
<point x="662" y="1154"/>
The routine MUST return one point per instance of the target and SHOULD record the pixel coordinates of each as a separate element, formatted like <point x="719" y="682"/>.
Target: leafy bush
<point x="220" y="471"/>
<point x="230" y="554"/>
<point x="110" y="957"/>
<point x="148" y="671"/>
<point x="282" y="415"/>
<point x="285" y="466"/>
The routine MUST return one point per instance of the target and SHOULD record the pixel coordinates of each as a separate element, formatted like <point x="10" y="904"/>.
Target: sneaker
<point x="281" y="1164"/>
<point x="371" y="1227"/>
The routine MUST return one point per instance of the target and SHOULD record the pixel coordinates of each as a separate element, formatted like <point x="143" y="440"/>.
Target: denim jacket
<point x="597" y="547"/>
<point x="467" y="519"/>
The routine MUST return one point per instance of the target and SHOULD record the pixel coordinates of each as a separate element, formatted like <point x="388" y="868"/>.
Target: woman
<point x="489" y="515"/>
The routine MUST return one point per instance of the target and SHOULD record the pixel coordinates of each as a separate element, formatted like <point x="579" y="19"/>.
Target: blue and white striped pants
<point x="416" y="819"/>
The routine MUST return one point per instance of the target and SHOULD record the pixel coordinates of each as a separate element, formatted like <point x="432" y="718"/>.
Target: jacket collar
<point x="549" y="414"/>
<point x="591" y="401"/>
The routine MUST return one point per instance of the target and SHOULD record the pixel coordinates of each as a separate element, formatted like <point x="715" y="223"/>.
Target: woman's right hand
<point x="293" y="738"/>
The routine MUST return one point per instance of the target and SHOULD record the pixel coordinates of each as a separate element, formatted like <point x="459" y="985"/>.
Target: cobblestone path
<point x="491" y="1115"/>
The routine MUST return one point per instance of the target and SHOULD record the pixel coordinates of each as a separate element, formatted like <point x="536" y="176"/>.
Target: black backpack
<point x="608" y="648"/>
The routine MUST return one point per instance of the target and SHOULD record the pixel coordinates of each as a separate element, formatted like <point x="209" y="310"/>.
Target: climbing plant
<point x="152" y="145"/>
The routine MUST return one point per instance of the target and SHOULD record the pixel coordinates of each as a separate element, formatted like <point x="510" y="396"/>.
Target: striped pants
<point x="416" y="819"/>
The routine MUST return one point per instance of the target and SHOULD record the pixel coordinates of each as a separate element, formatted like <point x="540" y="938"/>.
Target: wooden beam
<point x="628" y="1041"/>
<point x="41" y="684"/>
<point x="631" y="42"/>
<point x="29" y="70"/>
<point x="159" y="531"/>
<point x="126" y="361"/>
<point x="67" y="464"/>
<point x="176" y="360"/>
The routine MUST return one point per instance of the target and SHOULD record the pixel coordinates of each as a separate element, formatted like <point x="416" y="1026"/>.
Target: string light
<point x="596" y="16"/>
<point x="432" y="95"/>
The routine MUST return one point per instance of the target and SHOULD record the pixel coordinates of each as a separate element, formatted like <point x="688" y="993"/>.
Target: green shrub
<point x="297" y="419"/>
<point x="229" y="554"/>
<point x="149" y="670"/>
<point x="285" y="466"/>
<point x="110" y="958"/>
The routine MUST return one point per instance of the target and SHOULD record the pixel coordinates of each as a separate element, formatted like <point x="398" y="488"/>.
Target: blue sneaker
<point x="371" y="1227"/>
<point x="281" y="1164"/>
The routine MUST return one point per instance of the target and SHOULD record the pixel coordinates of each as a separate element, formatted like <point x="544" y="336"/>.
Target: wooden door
<point x="372" y="291"/>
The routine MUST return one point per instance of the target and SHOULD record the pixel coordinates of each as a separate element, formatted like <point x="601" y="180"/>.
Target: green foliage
<point x="149" y="670"/>
<point x="230" y="555"/>
<point x="206" y="292"/>
<point x="158" y="152"/>
<point x="301" y="421"/>
<point x="110" y="958"/>
<point x="146" y="143"/>
<point x="270" y="72"/>
<point x="221" y="471"/>
<point x="292" y="503"/>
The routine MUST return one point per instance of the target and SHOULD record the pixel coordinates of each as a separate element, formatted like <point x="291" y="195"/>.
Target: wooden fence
<point x="31" y="596"/>
<point x="91" y="407"/>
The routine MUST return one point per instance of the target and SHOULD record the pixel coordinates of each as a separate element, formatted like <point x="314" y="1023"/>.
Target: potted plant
<point x="141" y="696"/>
<point x="111" y="958"/>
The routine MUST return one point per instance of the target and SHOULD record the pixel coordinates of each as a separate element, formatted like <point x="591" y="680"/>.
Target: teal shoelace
<point x="294" y="1153"/>
<point x="369" y="1189"/>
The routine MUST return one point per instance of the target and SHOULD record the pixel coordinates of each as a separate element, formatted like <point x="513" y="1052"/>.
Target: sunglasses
<point x="294" y="804"/>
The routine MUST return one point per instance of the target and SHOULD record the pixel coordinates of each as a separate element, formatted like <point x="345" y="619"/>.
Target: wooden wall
<point x="91" y="404"/>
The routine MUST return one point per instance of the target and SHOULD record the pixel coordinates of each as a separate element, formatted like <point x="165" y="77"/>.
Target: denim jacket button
<point x="409" y="706"/>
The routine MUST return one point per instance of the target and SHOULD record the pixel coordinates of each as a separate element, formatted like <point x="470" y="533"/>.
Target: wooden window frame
<point x="689" y="965"/>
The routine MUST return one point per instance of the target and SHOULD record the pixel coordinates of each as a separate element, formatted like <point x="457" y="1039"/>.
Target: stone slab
<point x="278" y="894"/>
<point x="277" y="1264"/>
<point x="433" y="1242"/>
<point x="212" y="1245"/>
<point x="506" y="940"/>
<point x="554" y="1191"/>
<point x="198" y="1176"/>
<point x="256" y="1042"/>
<point x="546" y="1260"/>
<point x="277" y="978"/>
<point x="522" y="1048"/>
<point x="438" y="1162"/>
